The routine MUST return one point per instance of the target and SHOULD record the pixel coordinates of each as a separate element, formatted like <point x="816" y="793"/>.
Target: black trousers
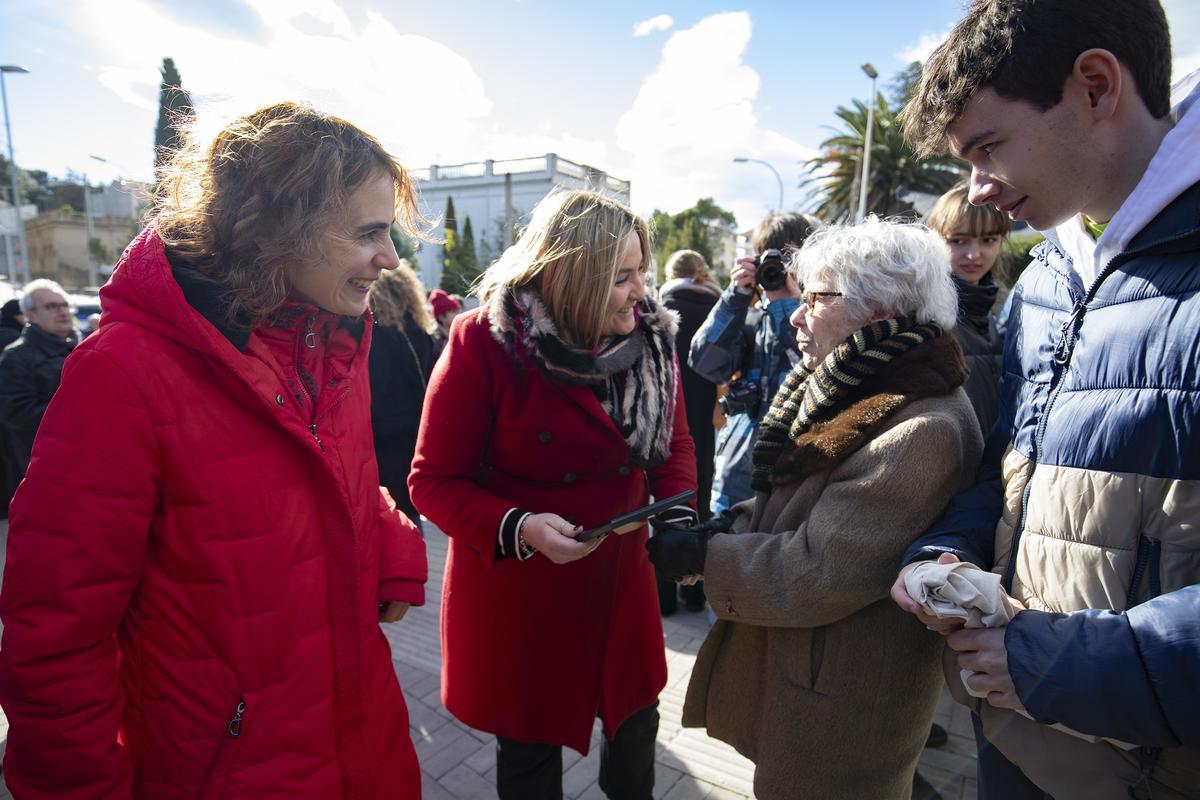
<point x="527" y="771"/>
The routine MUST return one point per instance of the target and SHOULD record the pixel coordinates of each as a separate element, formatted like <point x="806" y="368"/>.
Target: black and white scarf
<point x="634" y="376"/>
<point x="808" y="397"/>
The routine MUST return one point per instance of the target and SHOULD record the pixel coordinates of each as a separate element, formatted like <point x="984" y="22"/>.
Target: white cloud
<point x="923" y="48"/>
<point x="424" y="100"/>
<point x="693" y="115"/>
<point x="648" y="26"/>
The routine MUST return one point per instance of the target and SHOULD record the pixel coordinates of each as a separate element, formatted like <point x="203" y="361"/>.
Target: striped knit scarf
<point x="633" y="376"/>
<point x="806" y="398"/>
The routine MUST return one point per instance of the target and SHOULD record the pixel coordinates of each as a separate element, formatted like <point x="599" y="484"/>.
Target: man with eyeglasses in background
<point x="31" y="367"/>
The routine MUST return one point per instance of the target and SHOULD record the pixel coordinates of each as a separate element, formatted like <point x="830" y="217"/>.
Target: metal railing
<point x="549" y="164"/>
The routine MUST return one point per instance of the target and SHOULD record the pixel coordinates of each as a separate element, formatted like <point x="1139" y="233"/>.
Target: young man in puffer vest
<point x="1088" y="503"/>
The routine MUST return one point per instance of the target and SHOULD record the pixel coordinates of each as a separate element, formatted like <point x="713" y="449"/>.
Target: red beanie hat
<point x="442" y="302"/>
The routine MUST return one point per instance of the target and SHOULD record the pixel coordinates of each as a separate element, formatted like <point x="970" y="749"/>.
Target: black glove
<point x="678" y="552"/>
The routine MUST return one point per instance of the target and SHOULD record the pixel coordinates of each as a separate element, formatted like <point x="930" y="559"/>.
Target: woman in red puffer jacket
<point x="200" y="554"/>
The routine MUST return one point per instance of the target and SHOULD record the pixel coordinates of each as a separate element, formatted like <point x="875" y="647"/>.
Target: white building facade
<point x="498" y="196"/>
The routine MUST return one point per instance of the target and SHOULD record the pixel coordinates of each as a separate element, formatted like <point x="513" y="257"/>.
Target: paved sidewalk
<point x="458" y="763"/>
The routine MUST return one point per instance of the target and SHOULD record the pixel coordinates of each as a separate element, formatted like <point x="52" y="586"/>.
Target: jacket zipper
<point x="1063" y="351"/>
<point x="235" y="724"/>
<point x="312" y="428"/>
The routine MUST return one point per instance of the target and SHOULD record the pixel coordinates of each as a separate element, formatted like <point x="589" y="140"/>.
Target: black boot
<point x="937" y="736"/>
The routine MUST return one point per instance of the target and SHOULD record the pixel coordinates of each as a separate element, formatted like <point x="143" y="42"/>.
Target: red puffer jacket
<point x="195" y="563"/>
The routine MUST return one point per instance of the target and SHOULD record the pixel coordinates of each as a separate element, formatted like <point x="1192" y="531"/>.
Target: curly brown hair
<point x="1025" y="49"/>
<point x="398" y="294"/>
<point x="258" y="198"/>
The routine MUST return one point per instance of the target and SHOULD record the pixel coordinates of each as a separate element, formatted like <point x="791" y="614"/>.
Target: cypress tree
<point x="174" y="112"/>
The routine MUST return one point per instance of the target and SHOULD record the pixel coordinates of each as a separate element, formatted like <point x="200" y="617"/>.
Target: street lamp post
<point x="91" y="232"/>
<point x="866" y="159"/>
<point x="12" y="168"/>
<point x="778" y="177"/>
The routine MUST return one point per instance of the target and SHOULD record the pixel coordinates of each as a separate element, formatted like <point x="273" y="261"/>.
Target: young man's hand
<point x="982" y="651"/>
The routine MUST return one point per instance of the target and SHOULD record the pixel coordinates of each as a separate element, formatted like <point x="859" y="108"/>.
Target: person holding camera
<point x="761" y="352"/>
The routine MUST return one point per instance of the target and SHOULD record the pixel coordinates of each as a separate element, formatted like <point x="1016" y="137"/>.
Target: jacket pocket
<point x="224" y="760"/>
<point x="806" y="657"/>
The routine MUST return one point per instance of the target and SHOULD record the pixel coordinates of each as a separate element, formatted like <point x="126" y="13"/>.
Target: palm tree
<point x="835" y="173"/>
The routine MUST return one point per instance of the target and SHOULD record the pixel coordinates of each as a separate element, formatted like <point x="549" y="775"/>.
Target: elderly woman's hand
<point x="554" y="537"/>
<point x="901" y="598"/>
<point x="678" y="552"/>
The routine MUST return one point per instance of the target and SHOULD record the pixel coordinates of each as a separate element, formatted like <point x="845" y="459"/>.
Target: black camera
<point x="770" y="271"/>
<point x="744" y="397"/>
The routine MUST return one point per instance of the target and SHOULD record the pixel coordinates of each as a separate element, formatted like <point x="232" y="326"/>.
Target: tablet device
<point x="637" y="515"/>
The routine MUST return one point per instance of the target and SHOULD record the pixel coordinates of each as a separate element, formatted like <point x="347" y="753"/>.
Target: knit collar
<point x="849" y="373"/>
<point x="975" y="301"/>
<point x="931" y="369"/>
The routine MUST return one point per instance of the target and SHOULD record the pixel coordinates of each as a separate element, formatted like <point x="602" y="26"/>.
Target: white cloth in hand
<point x="960" y="591"/>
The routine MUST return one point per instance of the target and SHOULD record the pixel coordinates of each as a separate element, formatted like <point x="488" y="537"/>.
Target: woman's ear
<point x="879" y="314"/>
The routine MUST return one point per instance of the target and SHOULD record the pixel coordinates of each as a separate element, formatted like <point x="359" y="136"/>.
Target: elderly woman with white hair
<point x="810" y="670"/>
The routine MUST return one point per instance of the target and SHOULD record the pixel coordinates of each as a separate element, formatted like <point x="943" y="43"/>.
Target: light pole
<point x="778" y="177"/>
<point x="866" y="159"/>
<point x="12" y="168"/>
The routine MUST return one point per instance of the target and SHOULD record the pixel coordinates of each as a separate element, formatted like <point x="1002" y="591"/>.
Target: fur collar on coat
<point x="932" y="369"/>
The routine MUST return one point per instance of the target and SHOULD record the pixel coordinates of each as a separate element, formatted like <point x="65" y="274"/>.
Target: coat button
<point x="570" y="477"/>
<point x="623" y="470"/>
<point x="279" y="399"/>
<point x="544" y="437"/>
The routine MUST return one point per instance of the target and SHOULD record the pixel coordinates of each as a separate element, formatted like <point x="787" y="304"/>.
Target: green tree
<point x="468" y="255"/>
<point x="835" y="173"/>
<point x="697" y="228"/>
<point x="904" y="85"/>
<point x="175" y="111"/>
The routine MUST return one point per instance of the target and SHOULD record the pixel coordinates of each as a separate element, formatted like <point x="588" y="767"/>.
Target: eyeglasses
<point x="811" y="299"/>
<point x="56" y="306"/>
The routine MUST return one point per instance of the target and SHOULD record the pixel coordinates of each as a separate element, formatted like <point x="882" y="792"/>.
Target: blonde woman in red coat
<point x="200" y="554"/>
<point x="555" y="407"/>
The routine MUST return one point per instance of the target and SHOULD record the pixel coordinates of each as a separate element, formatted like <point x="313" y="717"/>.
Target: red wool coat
<point x="190" y="602"/>
<point x="532" y="650"/>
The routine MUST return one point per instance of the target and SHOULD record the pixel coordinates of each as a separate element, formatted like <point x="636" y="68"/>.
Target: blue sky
<point x="462" y="81"/>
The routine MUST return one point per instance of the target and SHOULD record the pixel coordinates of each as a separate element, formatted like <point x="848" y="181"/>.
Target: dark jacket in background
<point x="982" y="345"/>
<point x="30" y="370"/>
<point x="764" y="352"/>
<point x="692" y="301"/>
<point x="10" y="328"/>
<point x="400" y="364"/>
